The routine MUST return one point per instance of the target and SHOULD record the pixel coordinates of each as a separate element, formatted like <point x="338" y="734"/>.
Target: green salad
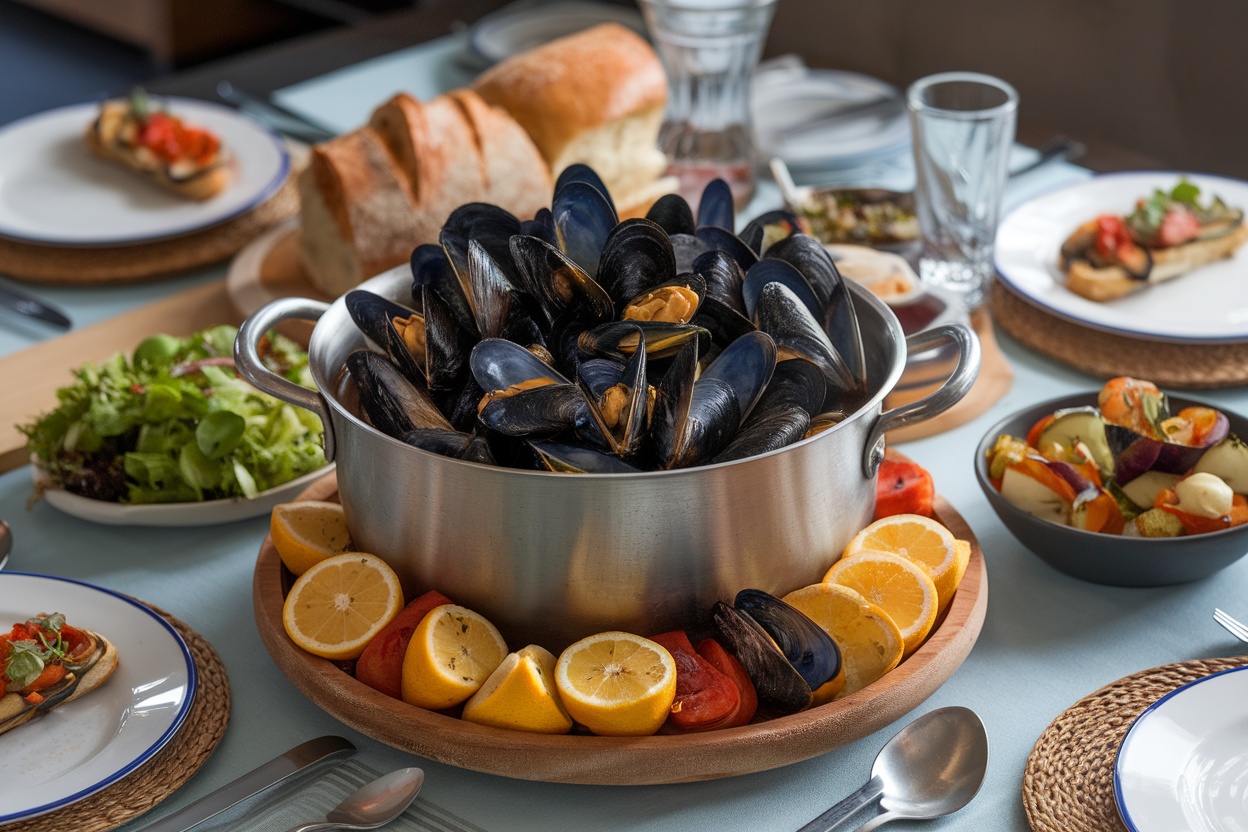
<point x="175" y="423"/>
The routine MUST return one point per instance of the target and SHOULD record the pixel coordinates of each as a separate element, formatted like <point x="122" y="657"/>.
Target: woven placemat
<point x="1103" y="354"/>
<point x="1068" y="784"/>
<point x="170" y="768"/>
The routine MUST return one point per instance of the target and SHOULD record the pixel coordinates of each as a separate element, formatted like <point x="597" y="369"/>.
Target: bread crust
<point x="1113" y="282"/>
<point x="516" y="176"/>
<point x="578" y="83"/>
<point x="104" y="138"/>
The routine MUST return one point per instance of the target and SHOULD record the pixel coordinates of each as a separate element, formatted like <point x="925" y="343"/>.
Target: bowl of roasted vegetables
<point x="1126" y="486"/>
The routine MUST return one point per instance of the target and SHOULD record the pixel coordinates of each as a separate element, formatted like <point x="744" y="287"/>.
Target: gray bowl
<point x="1107" y="558"/>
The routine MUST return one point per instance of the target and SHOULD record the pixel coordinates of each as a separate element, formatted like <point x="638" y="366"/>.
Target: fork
<point x="1235" y="628"/>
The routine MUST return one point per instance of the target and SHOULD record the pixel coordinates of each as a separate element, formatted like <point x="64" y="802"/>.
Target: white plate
<point x="500" y="36"/>
<point x="1184" y="763"/>
<point x="786" y="98"/>
<point x="208" y="513"/>
<point x="88" y="744"/>
<point x="1209" y="306"/>
<point x="53" y="190"/>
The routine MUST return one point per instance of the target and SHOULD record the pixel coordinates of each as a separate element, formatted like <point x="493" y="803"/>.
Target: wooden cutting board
<point x="39" y="371"/>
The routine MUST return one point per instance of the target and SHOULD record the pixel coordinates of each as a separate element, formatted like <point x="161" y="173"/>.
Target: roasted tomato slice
<point x="705" y="698"/>
<point x="903" y="488"/>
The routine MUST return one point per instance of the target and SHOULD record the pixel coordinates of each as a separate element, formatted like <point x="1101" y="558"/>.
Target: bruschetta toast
<point x="45" y="663"/>
<point x="1167" y="235"/>
<point x="187" y="160"/>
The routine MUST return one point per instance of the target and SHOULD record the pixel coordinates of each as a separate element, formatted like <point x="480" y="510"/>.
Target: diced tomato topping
<point x="51" y="674"/>
<point x="1112" y="234"/>
<point x="171" y="140"/>
<point x="33" y="698"/>
<point x="1178" y="226"/>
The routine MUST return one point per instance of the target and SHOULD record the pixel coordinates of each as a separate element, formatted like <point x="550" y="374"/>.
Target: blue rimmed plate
<point x="54" y="191"/>
<point x="1184" y="762"/>
<point x="91" y="743"/>
<point x="1207" y="306"/>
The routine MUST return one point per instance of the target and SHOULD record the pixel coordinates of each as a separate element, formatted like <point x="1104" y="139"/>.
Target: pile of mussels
<point x="574" y="342"/>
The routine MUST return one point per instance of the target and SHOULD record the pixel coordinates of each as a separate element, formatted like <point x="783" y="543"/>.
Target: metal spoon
<point x="6" y="543"/>
<point x="375" y="804"/>
<point x="931" y="768"/>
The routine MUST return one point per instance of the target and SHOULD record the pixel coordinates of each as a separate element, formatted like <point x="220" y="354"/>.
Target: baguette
<point x="596" y="97"/>
<point x="87" y="661"/>
<point x="184" y="160"/>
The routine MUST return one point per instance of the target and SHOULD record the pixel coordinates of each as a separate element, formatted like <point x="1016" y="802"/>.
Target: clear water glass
<point x="963" y="127"/>
<point x="710" y="49"/>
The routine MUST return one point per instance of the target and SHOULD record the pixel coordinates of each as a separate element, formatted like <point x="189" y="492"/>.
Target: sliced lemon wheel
<point x="336" y="607"/>
<point x="617" y="684"/>
<point x="451" y="654"/>
<point x="521" y="695"/>
<point x="307" y="533"/>
<point x="920" y="539"/>
<point x="871" y="645"/>
<point x="897" y="585"/>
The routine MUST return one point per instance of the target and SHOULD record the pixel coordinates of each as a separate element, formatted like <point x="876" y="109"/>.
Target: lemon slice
<point x="336" y="607"/>
<point x="871" y="645"/>
<point x="898" y="586"/>
<point x="920" y="539"/>
<point x="451" y="654"/>
<point x="520" y="694"/>
<point x="617" y="684"/>
<point x="307" y="533"/>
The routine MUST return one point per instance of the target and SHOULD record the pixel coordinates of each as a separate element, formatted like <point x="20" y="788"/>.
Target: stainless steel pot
<point x="550" y="558"/>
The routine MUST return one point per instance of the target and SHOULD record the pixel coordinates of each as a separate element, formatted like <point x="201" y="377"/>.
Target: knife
<point x="32" y="307"/>
<point x="296" y="764"/>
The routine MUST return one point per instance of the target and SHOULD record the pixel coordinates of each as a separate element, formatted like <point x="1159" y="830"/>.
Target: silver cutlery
<point x="374" y="804"/>
<point x="26" y="304"/>
<point x="1234" y="627"/>
<point x="295" y="765"/>
<point x="275" y="116"/>
<point x="929" y="769"/>
<point x="1059" y="149"/>
<point x="883" y="107"/>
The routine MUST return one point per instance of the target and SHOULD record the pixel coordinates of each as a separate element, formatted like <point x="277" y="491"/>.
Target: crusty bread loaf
<point x="595" y="97"/>
<point x="371" y="196"/>
<point x="357" y="212"/>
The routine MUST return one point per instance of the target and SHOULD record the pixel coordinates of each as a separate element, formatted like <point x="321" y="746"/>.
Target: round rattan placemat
<point x="1068" y="784"/>
<point x="1106" y="355"/>
<point x="169" y="769"/>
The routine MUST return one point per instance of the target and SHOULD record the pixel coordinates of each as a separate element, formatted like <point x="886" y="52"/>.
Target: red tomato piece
<point x="51" y="674"/>
<point x="1112" y="234"/>
<point x="1178" y="226"/>
<point x="705" y="698"/>
<point x="727" y="664"/>
<point x="903" y="488"/>
<point x="380" y="666"/>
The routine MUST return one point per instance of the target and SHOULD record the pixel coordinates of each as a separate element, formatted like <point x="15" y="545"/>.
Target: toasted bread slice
<point x="1113" y="282"/>
<point x="16" y="710"/>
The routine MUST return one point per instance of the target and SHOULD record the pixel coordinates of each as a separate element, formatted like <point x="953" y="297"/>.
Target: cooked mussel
<point x="810" y="650"/>
<point x="393" y="403"/>
<point x="778" y="684"/>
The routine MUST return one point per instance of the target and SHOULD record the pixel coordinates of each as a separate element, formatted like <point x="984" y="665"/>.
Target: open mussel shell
<point x="618" y="402"/>
<point x="563" y="287"/>
<point x="500" y="309"/>
<point x="806" y="645"/>
<point x="394" y="329"/>
<point x="446" y="344"/>
<point x="779" y="686"/>
<point x="769" y="270"/>
<point x="431" y="269"/>
<point x="672" y="213"/>
<point x="392" y="402"/>
<point x="797" y="334"/>
<point x="620" y="339"/>
<point x="498" y="364"/>
<point x="674" y="301"/>
<point x="544" y="410"/>
<point x="769" y="228"/>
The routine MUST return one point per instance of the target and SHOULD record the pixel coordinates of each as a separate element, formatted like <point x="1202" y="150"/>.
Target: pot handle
<point x="950" y="393"/>
<point x="247" y="359"/>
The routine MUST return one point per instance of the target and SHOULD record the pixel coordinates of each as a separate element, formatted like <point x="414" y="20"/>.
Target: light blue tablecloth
<point x="1048" y="639"/>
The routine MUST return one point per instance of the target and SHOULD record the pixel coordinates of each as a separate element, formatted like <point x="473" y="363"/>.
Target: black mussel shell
<point x="767" y="229"/>
<point x="452" y="443"/>
<point x="778" y="684"/>
<point x="794" y="383"/>
<point x="430" y="267"/>
<point x="498" y="364"/>
<point x="675" y="301"/>
<point x="724" y="278"/>
<point x="687" y="248"/>
<point x="769" y="270"/>
<point x="391" y="401"/>
<point x="806" y="645"/>
<point x="399" y="332"/>
<point x="537" y="411"/>
<point x="583" y="218"/>
<point x="577" y="172"/>
<point x="623" y="424"/>
<point x="765" y="432"/>
<point x="542" y="226"/>
<point x="564" y="289"/>
<point x="721" y="239"/>
<point x="671" y="213"/>
<point x="565" y="458"/>
<point x="787" y="320"/>
<point x="618" y="339"/>
<point x="447" y="346"/>
<point x="637" y="256"/>
<point x="715" y="209"/>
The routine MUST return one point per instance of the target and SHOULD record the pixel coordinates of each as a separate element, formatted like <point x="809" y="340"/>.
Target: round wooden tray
<point x="633" y="760"/>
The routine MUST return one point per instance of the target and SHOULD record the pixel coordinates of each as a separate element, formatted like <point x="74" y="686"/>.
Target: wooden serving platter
<point x="633" y="760"/>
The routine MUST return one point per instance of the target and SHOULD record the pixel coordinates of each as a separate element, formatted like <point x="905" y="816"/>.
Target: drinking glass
<point x="709" y="49"/>
<point x="963" y="127"/>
